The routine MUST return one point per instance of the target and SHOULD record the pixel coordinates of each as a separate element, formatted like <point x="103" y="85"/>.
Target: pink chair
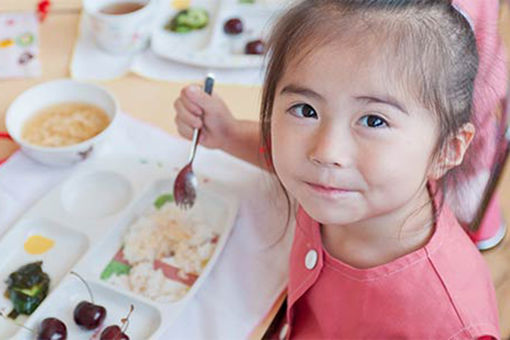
<point x="488" y="227"/>
<point x="474" y="197"/>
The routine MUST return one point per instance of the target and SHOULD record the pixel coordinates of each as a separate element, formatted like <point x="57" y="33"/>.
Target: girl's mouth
<point x="327" y="190"/>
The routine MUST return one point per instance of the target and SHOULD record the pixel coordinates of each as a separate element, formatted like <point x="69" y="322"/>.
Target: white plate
<point x="143" y="323"/>
<point x="211" y="46"/>
<point x="87" y="216"/>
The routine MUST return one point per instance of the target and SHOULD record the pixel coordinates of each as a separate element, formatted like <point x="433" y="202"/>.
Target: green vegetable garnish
<point x="161" y="200"/>
<point x="182" y="29"/>
<point x="30" y="291"/>
<point x="27" y="287"/>
<point x="247" y="1"/>
<point x="115" y="267"/>
<point x="188" y="20"/>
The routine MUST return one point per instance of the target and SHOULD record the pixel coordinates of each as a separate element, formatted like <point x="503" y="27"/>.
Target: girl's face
<point x="347" y="141"/>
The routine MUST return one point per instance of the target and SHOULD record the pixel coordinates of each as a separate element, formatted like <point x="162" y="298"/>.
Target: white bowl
<point x="64" y="90"/>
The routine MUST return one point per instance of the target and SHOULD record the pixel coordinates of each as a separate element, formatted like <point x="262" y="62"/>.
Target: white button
<point x="311" y="259"/>
<point x="283" y="332"/>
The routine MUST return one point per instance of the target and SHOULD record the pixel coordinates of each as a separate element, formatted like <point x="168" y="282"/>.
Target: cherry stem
<point x="16" y="323"/>
<point x="125" y="321"/>
<point x="86" y="285"/>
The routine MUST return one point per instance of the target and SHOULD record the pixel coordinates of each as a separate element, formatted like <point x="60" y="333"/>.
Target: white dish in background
<point x="87" y="239"/>
<point x="211" y="46"/>
<point x="50" y="93"/>
<point x="121" y="33"/>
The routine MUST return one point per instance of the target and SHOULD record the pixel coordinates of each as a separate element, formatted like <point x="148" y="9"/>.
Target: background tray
<point x="211" y="46"/>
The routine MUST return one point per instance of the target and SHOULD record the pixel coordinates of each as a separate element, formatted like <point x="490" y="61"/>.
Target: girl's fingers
<point x="205" y="103"/>
<point x="196" y="95"/>
<point x="185" y="130"/>
<point x="185" y="117"/>
<point x="191" y="106"/>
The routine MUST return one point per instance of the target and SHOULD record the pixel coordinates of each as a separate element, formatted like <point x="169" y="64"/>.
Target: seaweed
<point x="27" y="287"/>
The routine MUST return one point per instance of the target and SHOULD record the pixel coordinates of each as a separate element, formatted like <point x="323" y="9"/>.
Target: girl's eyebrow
<point x="304" y="91"/>
<point x="388" y="100"/>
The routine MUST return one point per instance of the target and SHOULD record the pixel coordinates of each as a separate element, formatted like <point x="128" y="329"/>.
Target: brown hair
<point x="430" y="43"/>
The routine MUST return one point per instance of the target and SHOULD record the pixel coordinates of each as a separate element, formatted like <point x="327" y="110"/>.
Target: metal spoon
<point x="185" y="184"/>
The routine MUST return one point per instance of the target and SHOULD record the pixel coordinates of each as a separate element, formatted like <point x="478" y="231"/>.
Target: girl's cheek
<point x="380" y="160"/>
<point x="281" y="154"/>
<point x="277" y="145"/>
<point x="286" y="158"/>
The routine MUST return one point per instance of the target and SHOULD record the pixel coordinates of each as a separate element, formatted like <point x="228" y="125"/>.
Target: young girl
<point x="365" y="115"/>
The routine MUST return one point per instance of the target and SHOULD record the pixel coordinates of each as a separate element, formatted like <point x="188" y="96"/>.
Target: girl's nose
<point x="331" y="147"/>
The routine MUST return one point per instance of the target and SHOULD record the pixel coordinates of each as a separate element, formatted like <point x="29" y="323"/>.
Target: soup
<point x="65" y="124"/>
<point x="121" y="8"/>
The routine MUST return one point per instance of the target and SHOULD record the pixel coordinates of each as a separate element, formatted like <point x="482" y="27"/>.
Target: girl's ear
<point x="453" y="151"/>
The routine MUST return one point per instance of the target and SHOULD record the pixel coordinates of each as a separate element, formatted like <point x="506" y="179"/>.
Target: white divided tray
<point x="87" y="216"/>
<point x="211" y="46"/>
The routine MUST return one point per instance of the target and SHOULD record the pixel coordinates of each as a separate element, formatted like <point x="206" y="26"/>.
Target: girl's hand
<point x="196" y="109"/>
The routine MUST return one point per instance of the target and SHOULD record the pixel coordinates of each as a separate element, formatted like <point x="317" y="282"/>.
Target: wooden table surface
<point x="153" y="103"/>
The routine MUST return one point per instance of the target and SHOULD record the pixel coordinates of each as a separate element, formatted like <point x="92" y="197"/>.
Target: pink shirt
<point x="441" y="291"/>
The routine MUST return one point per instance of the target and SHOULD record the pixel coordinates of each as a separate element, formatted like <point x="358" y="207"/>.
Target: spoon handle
<point x="194" y="144"/>
<point x="209" y="83"/>
<point x="208" y="87"/>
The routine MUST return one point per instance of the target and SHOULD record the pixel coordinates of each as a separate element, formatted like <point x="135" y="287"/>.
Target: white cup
<point x="121" y="33"/>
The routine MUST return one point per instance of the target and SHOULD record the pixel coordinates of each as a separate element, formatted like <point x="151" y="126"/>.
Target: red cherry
<point x="255" y="47"/>
<point x="49" y="329"/>
<point x="52" y="329"/>
<point x="233" y="26"/>
<point x="88" y="315"/>
<point x="113" y="333"/>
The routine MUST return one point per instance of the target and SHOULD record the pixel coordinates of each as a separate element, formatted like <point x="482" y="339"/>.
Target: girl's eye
<point x="303" y="110"/>
<point x="373" y="121"/>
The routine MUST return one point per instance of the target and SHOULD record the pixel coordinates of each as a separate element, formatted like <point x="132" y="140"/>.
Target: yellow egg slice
<point x="37" y="244"/>
<point x="6" y="43"/>
<point x="180" y="4"/>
